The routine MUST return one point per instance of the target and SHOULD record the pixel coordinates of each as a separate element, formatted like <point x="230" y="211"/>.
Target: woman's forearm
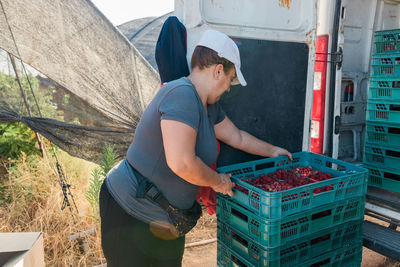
<point x="253" y="145"/>
<point x="228" y="133"/>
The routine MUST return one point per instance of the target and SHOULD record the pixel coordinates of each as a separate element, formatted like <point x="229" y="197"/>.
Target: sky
<point x="121" y="11"/>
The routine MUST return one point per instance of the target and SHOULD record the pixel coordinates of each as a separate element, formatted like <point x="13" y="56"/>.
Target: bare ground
<point x="206" y="255"/>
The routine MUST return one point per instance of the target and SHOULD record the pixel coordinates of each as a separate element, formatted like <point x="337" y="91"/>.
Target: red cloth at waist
<point x="207" y="194"/>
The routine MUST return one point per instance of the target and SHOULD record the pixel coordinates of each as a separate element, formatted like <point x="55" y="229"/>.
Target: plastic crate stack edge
<point x="297" y="227"/>
<point x="382" y="142"/>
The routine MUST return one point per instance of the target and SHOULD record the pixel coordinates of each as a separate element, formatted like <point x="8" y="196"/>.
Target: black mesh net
<point x="90" y="82"/>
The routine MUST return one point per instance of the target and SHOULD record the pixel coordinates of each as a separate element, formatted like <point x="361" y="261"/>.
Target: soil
<point x="206" y="255"/>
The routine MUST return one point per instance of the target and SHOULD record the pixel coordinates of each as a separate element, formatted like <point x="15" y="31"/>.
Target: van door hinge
<point x="336" y="58"/>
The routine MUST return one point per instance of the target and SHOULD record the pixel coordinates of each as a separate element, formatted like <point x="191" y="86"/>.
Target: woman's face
<point x="223" y="85"/>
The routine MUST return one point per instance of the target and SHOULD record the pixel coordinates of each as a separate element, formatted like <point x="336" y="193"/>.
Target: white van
<point x="307" y="65"/>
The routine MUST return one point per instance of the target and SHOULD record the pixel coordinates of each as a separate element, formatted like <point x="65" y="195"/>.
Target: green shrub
<point x="16" y="138"/>
<point x="98" y="176"/>
<point x="11" y="93"/>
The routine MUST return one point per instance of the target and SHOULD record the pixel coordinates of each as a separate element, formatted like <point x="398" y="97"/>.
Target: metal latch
<point x="337" y="124"/>
<point x="337" y="58"/>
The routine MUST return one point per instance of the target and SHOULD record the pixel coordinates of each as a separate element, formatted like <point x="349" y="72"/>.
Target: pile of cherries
<point x="286" y="179"/>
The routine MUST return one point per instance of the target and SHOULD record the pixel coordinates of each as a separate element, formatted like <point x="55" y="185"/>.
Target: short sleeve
<point x="181" y="104"/>
<point x="216" y="113"/>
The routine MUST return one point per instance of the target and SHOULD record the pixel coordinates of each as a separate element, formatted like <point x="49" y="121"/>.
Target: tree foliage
<point x="11" y="94"/>
<point x="17" y="137"/>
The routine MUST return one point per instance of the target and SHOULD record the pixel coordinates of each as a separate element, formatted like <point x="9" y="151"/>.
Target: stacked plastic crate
<point x="311" y="225"/>
<point x="382" y="143"/>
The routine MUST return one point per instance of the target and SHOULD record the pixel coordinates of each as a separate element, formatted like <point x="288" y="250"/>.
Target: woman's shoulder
<point x="180" y="88"/>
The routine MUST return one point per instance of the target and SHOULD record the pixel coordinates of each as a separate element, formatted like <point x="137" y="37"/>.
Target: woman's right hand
<point x="225" y="186"/>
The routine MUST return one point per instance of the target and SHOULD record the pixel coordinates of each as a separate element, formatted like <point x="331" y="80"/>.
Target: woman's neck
<point x="199" y="81"/>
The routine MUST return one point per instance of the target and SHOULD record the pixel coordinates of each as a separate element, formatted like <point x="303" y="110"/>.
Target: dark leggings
<point x="127" y="241"/>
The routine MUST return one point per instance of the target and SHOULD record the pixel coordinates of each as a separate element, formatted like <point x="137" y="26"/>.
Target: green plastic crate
<point x="384" y="178"/>
<point x="384" y="88"/>
<point x="387" y="65"/>
<point x="383" y="111"/>
<point x="386" y="42"/>
<point x="227" y="258"/>
<point x="295" y="252"/>
<point x="382" y="156"/>
<point x="278" y="232"/>
<point x="379" y="133"/>
<point x="349" y="181"/>
<point x="349" y="256"/>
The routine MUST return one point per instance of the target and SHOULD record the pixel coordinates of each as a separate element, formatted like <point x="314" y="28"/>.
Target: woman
<point x="147" y="202"/>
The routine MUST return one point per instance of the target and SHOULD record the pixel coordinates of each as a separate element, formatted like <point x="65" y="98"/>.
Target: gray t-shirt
<point x="177" y="100"/>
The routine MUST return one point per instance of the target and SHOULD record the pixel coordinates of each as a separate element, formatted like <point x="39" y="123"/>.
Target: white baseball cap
<point x="226" y="48"/>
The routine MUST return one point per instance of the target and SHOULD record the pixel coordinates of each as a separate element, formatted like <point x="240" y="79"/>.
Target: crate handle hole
<point x="393" y="153"/>
<point x="320" y="239"/>
<point x="236" y="260"/>
<point x="321" y="214"/>
<point x="393" y="130"/>
<point x="396" y="84"/>
<point x="320" y="263"/>
<point x="395" y="107"/>
<point x="392" y="176"/>
<point x="240" y="239"/>
<point x="239" y="214"/>
<point x="265" y="166"/>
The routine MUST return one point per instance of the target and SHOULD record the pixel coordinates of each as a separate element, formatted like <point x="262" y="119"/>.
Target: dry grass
<point x="205" y="255"/>
<point x="206" y="228"/>
<point x="35" y="198"/>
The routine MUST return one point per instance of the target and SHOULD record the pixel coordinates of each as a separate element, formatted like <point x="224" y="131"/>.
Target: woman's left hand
<point x="278" y="151"/>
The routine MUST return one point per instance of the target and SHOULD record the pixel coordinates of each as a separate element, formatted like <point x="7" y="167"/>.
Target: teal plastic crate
<point x="387" y="65"/>
<point x="228" y="258"/>
<point x="349" y="256"/>
<point x="380" y="133"/>
<point x="295" y="252"/>
<point x="278" y="232"/>
<point x="386" y="42"/>
<point x="349" y="181"/>
<point x="382" y="156"/>
<point x="384" y="178"/>
<point x="383" y="111"/>
<point x="384" y="88"/>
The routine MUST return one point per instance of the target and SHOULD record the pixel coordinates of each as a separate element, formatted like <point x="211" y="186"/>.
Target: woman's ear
<point x="219" y="68"/>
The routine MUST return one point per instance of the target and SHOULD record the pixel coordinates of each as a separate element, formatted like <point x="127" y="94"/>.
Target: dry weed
<point x="204" y="255"/>
<point x="206" y="228"/>
<point x="34" y="205"/>
<point x="35" y="198"/>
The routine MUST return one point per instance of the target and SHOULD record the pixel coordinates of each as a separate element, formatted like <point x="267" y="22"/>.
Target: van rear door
<point x="277" y="41"/>
<point x="354" y="20"/>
